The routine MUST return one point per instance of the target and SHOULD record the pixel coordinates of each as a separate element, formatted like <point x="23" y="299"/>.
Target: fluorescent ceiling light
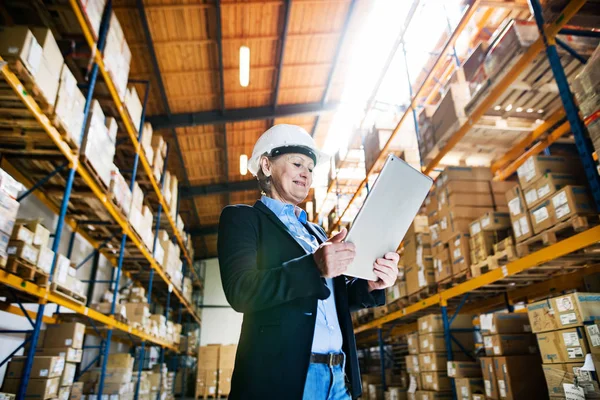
<point x="243" y="164"/>
<point x="244" y="66"/>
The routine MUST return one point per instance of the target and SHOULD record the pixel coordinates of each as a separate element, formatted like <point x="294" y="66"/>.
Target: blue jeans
<point x="325" y="383"/>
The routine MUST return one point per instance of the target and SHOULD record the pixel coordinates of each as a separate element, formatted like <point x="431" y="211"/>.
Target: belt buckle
<point x="331" y="360"/>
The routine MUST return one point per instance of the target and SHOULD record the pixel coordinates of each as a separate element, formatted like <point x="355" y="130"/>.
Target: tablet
<point x="384" y="218"/>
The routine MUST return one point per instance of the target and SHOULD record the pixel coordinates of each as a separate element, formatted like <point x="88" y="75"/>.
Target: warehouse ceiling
<point x="297" y="65"/>
<point x="300" y="53"/>
<point x="313" y="63"/>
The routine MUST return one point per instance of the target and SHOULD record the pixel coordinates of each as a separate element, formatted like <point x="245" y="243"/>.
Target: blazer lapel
<point x="315" y="232"/>
<point x="259" y="205"/>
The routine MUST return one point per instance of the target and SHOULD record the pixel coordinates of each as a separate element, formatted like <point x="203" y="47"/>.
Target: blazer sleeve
<point x="359" y="296"/>
<point x="248" y="288"/>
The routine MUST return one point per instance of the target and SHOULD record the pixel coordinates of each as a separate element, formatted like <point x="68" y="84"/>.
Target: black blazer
<point x="270" y="278"/>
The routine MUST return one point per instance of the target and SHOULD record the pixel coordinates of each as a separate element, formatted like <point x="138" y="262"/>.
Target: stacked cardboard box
<point x="117" y="57"/>
<point x="101" y="133"/>
<point x="69" y="106"/>
<point x="467" y="378"/>
<point x="45" y="375"/>
<point x="138" y="313"/>
<point x="93" y="10"/>
<point x="507" y="335"/>
<point x="547" y="194"/>
<point x="187" y="289"/>
<point x="417" y="256"/>
<point x="432" y="364"/>
<point x="376" y="138"/>
<point x="226" y="363"/>
<point x="566" y="331"/>
<point x="9" y="206"/>
<point x="66" y="276"/>
<point x="586" y="88"/>
<point x="208" y="369"/>
<point x="486" y="231"/>
<point x="39" y="240"/>
<point x="134" y="107"/>
<point x="64" y="342"/>
<point x="171" y="262"/>
<point x="39" y="53"/>
<point x="159" y="147"/>
<point x="461" y="195"/>
<point x="141" y="219"/>
<point x="119" y="189"/>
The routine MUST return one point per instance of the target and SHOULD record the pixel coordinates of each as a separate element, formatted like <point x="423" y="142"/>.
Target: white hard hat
<point x="282" y="139"/>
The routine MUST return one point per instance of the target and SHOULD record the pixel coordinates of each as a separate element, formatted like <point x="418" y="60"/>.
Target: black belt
<point x="331" y="359"/>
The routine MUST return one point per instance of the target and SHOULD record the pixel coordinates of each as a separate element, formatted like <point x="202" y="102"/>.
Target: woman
<point x="282" y="272"/>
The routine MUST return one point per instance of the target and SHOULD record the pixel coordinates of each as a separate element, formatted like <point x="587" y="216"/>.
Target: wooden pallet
<point x="422" y="294"/>
<point x="17" y="67"/>
<point x="493" y="262"/>
<point x="66" y="292"/>
<point x="26" y="270"/>
<point x="503" y="244"/>
<point x="454" y="280"/>
<point x="552" y="235"/>
<point x="90" y="167"/>
<point x="397" y="304"/>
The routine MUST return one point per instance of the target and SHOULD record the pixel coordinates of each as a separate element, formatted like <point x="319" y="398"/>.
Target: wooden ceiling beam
<point x="237" y="115"/>
<point x="269" y="38"/>
<point x="218" y="188"/>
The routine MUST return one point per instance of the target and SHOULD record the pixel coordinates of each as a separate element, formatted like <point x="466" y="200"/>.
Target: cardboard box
<point x="23" y="251"/>
<point x="576" y="308"/>
<point x="138" y="313"/>
<point x="562" y="346"/>
<point x="522" y="227"/>
<point x="464" y="369"/>
<point x="460" y="253"/>
<point x="206" y="382"/>
<point x="120" y="360"/>
<point x="21" y="233"/>
<point x="442" y="264"/>
<point x="432" y="362"/>
<point x="542" y="217"/>
<point x="463" y="174"/>
<point x="76" y="391"/>
<point x="208" y="357"/>
<point x="418" y="278"/>
<point x="64" y="393"/>
<point x="43" y="367"/>
<point x="592" y="332"/>
<point x="68" y="376"/>
<point x="570" y="201"/>
<point x="536" y="166"/>
<point x="436" y="380"/>
<point x="70" y="354"/>
<point x="541" y="316"/>
<point x="412" y="339"/>
<point x="489" y="378"/>
<point x="433" y="323"/>
<point x="490" y="222"/>
<point x="69" y="106"/>
<point x="45" y="259"/>
<point x="37" y="388"/>
<point x="435" y="342"/>
<point x="546" y="186"/>
<point x="510" y="371"/>
<point x="558" y="374"/>
<point x="505" y="323"/>
<point x="10" y="189"/>
<point x="412" y="364"/>
<point x="467" y="387"/>
<point x="510" y="344"/>
<point x="65" y="334"/>
<point x="432" y="395"/>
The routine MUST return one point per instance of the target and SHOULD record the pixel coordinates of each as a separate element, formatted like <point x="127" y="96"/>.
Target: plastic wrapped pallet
<point x="146" y="141"/>
<point x="101" y="134"/>
<point x="93" y="10"/>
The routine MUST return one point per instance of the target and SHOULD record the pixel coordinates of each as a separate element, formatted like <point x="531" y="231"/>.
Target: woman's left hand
<point x="386" y="269"/>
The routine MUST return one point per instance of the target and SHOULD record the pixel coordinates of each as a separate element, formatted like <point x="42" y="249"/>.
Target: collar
<point x="280" y="208"/>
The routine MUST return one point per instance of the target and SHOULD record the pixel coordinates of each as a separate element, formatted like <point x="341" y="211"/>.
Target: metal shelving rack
<point x="105" y="326"/>
<point x="499" y="288"/>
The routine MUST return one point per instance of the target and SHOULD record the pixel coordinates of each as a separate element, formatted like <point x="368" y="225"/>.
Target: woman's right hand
<point x="333" y="257"/>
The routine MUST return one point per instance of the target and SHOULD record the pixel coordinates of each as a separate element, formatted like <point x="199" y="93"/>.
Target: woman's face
<point x="291" y="177"/>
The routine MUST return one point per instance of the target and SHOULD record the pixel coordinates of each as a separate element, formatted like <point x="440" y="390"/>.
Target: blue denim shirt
<point x="328" y="335"/>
